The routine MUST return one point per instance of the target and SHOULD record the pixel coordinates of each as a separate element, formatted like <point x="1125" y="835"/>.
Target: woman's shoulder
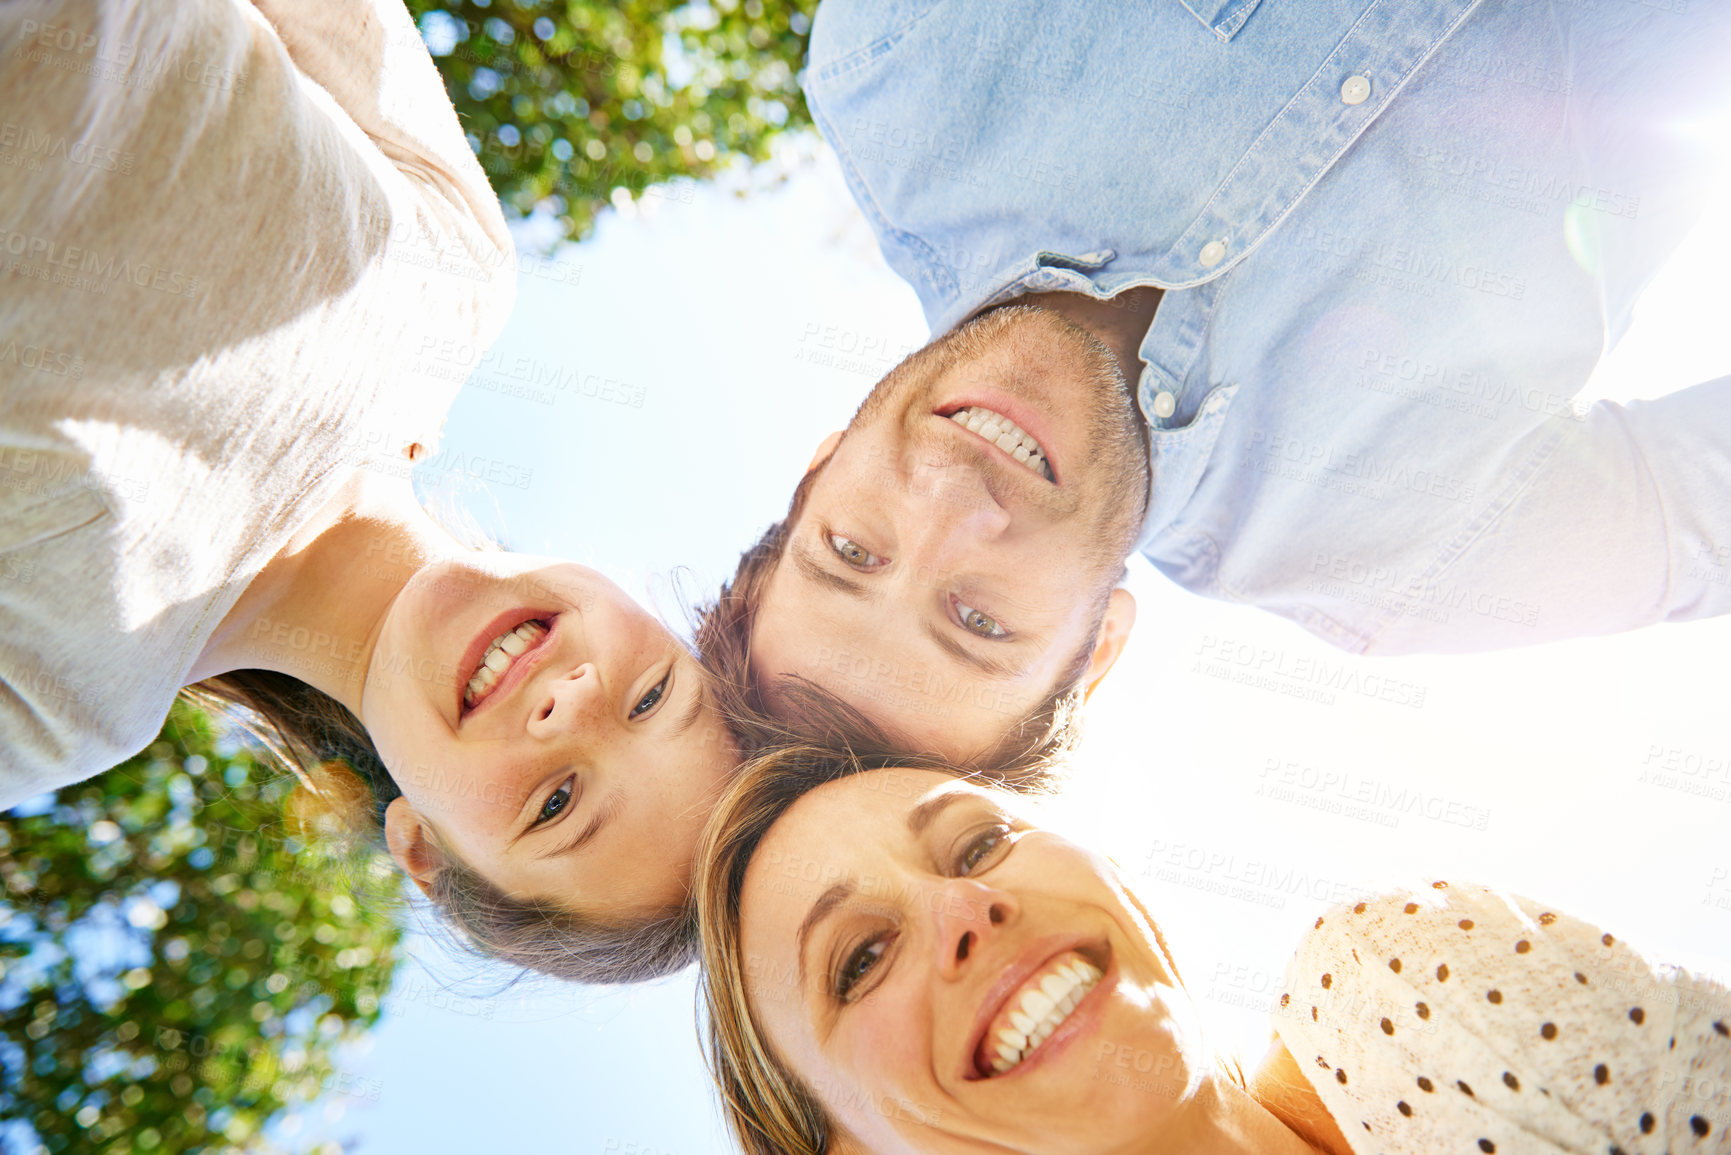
<point x="1451" y="1016"/>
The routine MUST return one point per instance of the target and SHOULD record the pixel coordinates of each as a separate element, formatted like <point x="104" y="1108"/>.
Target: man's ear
<point x="824" y="449"/>
<point x="1114" y="632"/>
<point x="406" y="836"/>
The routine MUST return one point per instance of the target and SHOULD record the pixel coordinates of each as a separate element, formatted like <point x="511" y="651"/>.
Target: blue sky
<point x="713" y="339"/>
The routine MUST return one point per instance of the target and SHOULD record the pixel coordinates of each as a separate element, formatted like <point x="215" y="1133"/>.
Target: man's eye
<point x="853" y="552"/>
<point x="556" y="802"/>
<point x="858" y="965"/>
<point x="976" y="622"/>
<point x="648" y="703"/>
<point x="983" y="850"/>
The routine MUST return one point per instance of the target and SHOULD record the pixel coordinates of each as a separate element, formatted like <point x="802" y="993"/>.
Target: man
<point x="1351" y="266"/>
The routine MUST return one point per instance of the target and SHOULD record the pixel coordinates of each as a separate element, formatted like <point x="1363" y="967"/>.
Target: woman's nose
<point x="569" y="702"/>
<point x="969" y="917"/>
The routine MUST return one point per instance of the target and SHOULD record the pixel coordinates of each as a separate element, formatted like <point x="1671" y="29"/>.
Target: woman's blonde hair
<point x="768" y="1109"/>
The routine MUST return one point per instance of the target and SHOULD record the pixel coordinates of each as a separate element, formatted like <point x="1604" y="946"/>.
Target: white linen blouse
<point x="245" y="249"/>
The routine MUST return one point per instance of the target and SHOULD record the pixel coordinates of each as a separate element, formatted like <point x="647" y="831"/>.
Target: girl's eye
<point x="858" y="965"/>
<point x="853" y="552"/>
<point x="976" y="622"/>
<point x="556" y="803"/>
<point x="651" y="698"/>
<point x="983" y="849"/>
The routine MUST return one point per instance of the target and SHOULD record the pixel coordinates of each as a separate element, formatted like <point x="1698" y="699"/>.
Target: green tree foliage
<point x="568" y="100"/>
<point x="175" y="971"/>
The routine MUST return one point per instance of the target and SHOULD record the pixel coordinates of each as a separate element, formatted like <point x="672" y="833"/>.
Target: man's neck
<point x="316" y="609"/>
<point x="1119" y="322"/>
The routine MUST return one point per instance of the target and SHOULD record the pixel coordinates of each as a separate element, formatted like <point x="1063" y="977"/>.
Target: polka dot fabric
<point x="1460" y="1019"/>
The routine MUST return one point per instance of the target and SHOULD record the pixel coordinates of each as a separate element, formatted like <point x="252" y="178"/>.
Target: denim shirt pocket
<point x="1177" y="457"/>
<point x="1223" y="17"/>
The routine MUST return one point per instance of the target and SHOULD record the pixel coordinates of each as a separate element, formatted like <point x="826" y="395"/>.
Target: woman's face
<point x="900" y="926"/>
<point x="573" y="761"/>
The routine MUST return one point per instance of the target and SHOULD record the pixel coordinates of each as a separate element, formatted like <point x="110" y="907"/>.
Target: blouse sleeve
<point x="1462" y="1019"/>
<point x="368" y="55"/>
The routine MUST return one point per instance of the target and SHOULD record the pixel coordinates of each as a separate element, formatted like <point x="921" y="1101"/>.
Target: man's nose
<point x="947" y="510"/>
<point x="571" y="702"/>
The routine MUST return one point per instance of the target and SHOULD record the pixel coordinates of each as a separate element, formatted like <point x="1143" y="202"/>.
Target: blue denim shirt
<point x="1394" y="240"/>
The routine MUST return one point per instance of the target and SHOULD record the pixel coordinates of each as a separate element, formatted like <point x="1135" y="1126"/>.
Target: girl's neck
<point x="316" y="609"/>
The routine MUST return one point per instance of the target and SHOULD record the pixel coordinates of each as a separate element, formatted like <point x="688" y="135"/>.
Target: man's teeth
<point x="1043" y="1008"/>
<point x="1006" y="435"/>
<point x="503" y="650"/>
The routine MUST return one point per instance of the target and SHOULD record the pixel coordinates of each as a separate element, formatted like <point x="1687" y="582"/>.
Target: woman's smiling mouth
<point x="1033" y="1011"/>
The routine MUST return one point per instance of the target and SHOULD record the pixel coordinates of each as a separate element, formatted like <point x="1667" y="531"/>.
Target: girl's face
<point x="945" y="977"/>
<point x="573" y="761"/>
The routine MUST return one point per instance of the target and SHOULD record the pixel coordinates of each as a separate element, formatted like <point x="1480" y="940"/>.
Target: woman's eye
<point x="858" y="965"/>
<point x="983" y="849"/>
<point x="648" y="703"/>
<point x="556" y="803"/>
<point x="976" y="622"/>
<point x="853" y="552"/>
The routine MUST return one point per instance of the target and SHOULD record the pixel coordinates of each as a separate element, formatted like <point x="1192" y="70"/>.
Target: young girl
<point x="245" y="256"/>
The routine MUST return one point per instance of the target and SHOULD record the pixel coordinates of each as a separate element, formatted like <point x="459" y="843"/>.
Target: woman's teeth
<point x="1006" y="435"/>
<point x="1044" y="1005"/>
<point x="499" y="657"/>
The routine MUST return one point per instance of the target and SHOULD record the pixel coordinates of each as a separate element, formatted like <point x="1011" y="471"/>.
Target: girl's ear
<point x="406" y="835"/>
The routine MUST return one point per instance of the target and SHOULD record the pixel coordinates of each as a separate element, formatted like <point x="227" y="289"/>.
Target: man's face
<point x="937" y="578"/>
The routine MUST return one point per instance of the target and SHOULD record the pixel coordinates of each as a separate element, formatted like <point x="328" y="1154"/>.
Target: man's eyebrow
<point x="603" y="814"/>
<point x="812" y="570"/>
<point x="991" y="667"/>
<point x="820" y="910"/>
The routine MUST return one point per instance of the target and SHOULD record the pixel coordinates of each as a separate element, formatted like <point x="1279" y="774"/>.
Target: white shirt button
<point x="1164" y="404"/>
<point x="1356" y="90"/>
<point x="1212" y="254"/>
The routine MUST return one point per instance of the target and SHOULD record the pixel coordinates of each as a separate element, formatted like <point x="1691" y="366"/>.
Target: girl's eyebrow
<point x="698" y="700"/>
<point x="604" y="812"/>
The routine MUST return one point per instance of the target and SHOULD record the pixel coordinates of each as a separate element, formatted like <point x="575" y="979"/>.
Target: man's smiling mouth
<point x="1006" y="435"/>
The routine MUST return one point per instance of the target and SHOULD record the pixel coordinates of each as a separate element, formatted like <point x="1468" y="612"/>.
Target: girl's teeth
<point x="1022" y="1022"/>
<point x="498" y="658"/>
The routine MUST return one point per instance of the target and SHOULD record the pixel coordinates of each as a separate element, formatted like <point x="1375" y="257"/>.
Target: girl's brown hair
<point x="344" y="791"/>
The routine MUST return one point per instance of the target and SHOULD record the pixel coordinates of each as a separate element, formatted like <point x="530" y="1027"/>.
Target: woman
<point x="246" y="255"/>
<point x="900" y="959"/>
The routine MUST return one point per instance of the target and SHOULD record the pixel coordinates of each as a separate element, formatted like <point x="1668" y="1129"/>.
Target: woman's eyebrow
<point x="927" y="812"/>
<point x="826" y="903"/>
